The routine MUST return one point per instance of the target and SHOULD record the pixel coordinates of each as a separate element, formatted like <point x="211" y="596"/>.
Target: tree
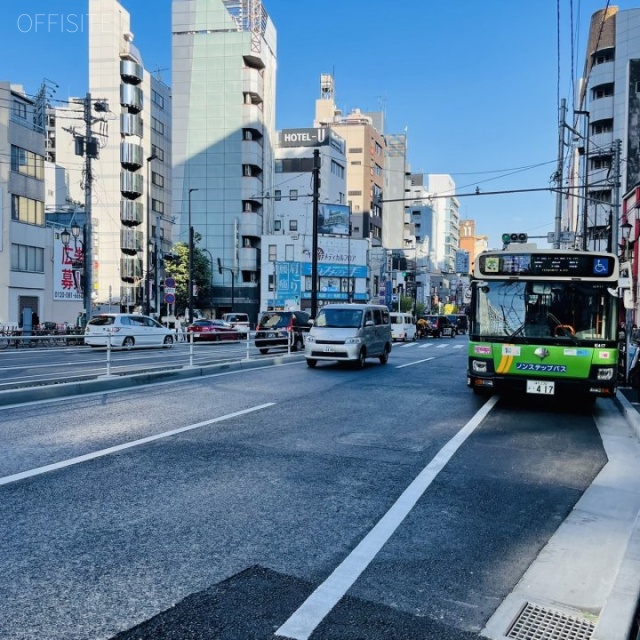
<point x="178" y="268"/>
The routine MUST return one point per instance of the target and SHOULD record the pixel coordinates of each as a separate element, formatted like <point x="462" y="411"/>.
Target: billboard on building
<point x="311" y="138"/>
<point x="67" y="269"/>
<point x="333" y="219"/>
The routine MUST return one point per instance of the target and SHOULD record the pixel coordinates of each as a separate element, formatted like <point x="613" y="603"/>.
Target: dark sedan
<point x="213" y="330"/>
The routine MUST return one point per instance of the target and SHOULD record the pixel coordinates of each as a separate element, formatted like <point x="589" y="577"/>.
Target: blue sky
<point x="475" y="83"/>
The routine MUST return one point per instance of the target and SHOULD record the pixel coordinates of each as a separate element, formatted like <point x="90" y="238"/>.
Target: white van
<point x="349" y="333"/>
<point x="402" y="327"/>
<point x="239" y="321"/>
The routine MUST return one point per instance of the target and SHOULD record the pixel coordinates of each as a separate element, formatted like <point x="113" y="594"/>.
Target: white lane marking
<point x="316" y="607"/>
<point x="424" y="346"/>
<point x="127" y="445"/>
<point x="442" y="346"/>
<point x="459" y="346"/>
<point x="406" y="345"/>
<point x="409" y="364"/>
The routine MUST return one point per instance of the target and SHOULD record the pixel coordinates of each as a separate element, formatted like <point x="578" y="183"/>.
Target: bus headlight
<point x="479" y="366"/>
<point x="605" y="373"/>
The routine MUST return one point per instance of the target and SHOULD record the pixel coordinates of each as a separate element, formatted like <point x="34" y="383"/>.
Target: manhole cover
<point x="537" y="623"/>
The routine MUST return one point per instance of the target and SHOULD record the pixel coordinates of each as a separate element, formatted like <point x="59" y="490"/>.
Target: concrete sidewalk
<point x="585" y="583"/>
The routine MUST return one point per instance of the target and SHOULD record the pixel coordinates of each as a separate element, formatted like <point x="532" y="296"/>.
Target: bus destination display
<point x="546" y="264"/>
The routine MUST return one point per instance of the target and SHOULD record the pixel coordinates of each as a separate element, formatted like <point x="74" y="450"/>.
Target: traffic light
<point x="219" y="266"/>
<point x="514" y="237"/>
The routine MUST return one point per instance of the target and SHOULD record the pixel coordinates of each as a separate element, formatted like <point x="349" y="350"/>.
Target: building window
<point x="356" y="163"/>
<point x="26" y="258"/>
<point x="157" y="179"/>
<point x="157" y="125"/>
<point x="293" y="225"/>
<point x="157" y="99"/>
<point x="277" y="225"/>
<point x="273" y="253"/>
<point x="272" y="281"/>
<point x="27" y="210"/>
<point x="27" y="163"/>
<point x="158" y="152"/>
<point x="602" y="126"/>
<point x="378" y="149"/>
<point x="20" y="109"/>
<point x="602" y="162"/>
<point x="602" y="91"/>
<point x="355" y="193"/>
<point x="277" y="194"/>
<point x="157" y="205"/>
<point x="288" y="252"/>
<point x="337" y="169"/>
<point x="355" y="150"/>
<point x="293" y="194"/>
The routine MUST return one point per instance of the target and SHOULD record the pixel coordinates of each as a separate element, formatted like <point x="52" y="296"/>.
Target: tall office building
<point x="131" y="173"/>
<point x="224" y="71"/>
<point x="610" y="111"/>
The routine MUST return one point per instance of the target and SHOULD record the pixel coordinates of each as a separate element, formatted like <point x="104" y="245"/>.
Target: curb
<point x="628" y="411"/>
<point x="114" y="382"/>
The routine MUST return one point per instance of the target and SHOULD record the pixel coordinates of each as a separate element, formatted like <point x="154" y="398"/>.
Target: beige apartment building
<point x="365" y="153"/>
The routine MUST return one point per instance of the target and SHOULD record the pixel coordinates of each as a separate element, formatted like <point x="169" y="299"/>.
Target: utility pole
<point x="615" y="218"/>
<point x="88" y="179"/>
<point x="314" y="250"/>
<point x="559" y="174"/>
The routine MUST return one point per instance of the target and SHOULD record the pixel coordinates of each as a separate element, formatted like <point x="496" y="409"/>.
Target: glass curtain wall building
<point x="224" y="71"/>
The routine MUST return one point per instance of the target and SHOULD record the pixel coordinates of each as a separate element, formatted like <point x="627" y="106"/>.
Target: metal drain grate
<point x="537" y="623"/>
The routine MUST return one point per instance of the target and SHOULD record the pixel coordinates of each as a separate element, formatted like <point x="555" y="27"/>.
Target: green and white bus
<point x="544" y="322"/>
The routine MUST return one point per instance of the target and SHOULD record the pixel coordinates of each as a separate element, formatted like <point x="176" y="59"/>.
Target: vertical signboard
<point x="67" y="269"/>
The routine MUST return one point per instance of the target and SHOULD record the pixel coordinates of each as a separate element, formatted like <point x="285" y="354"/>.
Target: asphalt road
<point x="213" y="508"/>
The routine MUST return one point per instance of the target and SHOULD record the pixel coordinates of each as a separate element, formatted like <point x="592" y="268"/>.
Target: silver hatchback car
<point x="127" y="330"/>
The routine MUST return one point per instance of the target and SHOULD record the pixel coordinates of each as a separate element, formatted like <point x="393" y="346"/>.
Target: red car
<point x="213" y="330"/>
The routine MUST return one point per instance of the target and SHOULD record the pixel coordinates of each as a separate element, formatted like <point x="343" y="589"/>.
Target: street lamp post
<point x="190" y="260"/>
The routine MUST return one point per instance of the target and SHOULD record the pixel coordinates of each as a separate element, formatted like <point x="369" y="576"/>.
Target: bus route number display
<point x="547" y="264"/>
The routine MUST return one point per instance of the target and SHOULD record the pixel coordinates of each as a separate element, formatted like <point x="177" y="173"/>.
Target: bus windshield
<point x="566" y="310"/>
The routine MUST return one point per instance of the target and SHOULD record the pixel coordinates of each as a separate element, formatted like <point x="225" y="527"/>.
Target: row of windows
<point x="277" y="226"/>
<point x="602" y="91"/>
<point x="27" y="163"/>
<point x="26" y="258"/>
<point x="332" y="284"/>
<point x="293" y="194"/>
<point x="603" y="126"/>
<point x="27" y="210"/>
<point x="601" y="162"/>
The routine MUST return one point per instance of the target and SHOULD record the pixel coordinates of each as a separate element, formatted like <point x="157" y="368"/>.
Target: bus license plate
<point x="545" y="387"/>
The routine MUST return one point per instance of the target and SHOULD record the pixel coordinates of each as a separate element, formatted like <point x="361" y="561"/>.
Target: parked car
<point x="460" y="322"/>
<point x="213" y="330"/>
<point x="239" y="321"/>
<point x="276" y="328"/>
<point x="438" y="326"/>
<point x="127" y="330"/>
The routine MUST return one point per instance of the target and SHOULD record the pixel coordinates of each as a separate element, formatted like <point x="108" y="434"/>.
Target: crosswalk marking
<point x="426" y="345"/>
